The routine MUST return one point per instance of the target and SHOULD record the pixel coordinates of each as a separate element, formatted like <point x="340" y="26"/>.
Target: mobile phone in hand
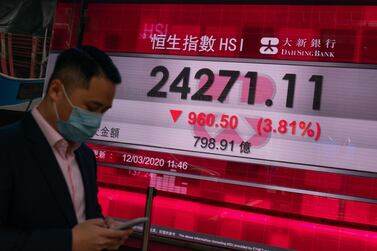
<point x="130" y="223"/>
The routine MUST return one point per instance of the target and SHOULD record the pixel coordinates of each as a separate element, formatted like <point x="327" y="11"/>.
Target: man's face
<point x="97" y="98"/>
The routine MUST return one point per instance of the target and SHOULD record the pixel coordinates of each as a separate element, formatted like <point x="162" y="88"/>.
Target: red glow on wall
<point x="237" y="224"/>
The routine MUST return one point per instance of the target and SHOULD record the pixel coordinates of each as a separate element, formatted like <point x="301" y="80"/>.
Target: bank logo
<point x="269" y="45"/>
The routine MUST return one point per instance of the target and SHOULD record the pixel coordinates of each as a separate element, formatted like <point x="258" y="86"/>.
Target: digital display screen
<point x="218" y="99"/>
<point x="284" y="85"/>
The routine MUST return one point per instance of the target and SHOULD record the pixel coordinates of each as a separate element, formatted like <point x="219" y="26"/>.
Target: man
<point x="48" y="190"/>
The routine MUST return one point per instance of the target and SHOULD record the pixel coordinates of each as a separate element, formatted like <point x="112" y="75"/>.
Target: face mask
<point x="81" y="124"/>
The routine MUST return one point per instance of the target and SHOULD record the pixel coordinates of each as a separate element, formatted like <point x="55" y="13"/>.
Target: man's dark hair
<point x="75" y="67"/>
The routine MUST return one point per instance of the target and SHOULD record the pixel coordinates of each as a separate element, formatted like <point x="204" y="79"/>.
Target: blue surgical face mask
<point x="81" y="124"/>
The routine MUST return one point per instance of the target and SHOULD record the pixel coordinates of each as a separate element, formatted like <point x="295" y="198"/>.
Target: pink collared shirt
<point x="65" y="156"/>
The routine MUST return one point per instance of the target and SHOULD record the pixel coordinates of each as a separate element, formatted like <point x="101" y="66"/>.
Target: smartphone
<point x="130" y="223"/>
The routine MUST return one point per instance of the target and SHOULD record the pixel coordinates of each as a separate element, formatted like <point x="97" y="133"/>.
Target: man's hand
<point x="111" y="223"/>
<point x="93" y="235"/>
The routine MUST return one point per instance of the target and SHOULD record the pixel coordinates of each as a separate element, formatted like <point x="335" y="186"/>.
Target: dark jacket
<point x="36" y="210"/>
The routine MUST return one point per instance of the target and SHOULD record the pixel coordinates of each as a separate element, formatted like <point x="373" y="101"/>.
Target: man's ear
<point x="55" y="91"/>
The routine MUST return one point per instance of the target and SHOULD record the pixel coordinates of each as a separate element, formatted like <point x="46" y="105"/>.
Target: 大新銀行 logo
<point x="269" y="45"/>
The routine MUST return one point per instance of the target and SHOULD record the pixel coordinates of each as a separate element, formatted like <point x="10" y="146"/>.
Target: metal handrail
<point x="151" y="193"/>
